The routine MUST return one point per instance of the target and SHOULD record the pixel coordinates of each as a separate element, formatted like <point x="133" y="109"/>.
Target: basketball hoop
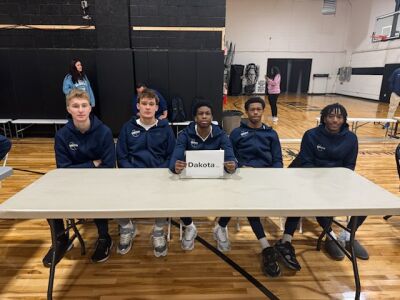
<point x="379" y="38"/>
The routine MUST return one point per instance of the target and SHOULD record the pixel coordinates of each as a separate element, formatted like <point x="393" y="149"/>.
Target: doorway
<point x="295" y="73"/>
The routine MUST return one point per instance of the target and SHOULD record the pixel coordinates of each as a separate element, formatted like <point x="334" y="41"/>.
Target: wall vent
<point x="329" y="7"/>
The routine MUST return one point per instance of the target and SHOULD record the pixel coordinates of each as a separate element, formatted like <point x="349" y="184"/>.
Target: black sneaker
<point x="269" y="262"/>
<point x="287" y="255"/>
<point x="62" y="248"/>
<point x="103" y="250"/>
<point x="333" y="250"/>
<point x="359" y="250"/>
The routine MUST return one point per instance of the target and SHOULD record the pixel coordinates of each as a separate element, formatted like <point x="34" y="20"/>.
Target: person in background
<point x="274" y="89"/>
<point x="162" y="111"/>
<point x="77" y="79"/>
<point x="394" y="86"/>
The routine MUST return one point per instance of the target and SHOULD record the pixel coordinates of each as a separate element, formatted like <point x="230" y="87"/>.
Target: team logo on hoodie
<point x="194" y="144"/>
<point x="73" y="146"/>
<point x="135" y="133"/>
<point x="320" y="148"/>
<point x="244" y="133"/>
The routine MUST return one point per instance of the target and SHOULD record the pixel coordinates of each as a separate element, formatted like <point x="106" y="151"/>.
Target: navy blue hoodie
<point x="141" y="148"/>
<point x="189" y="140"/>
<point x="5" y="146"/>
<point x="320" y="148"/>
<point x="394" y="81"/>
<point x="78" y="150"/>
<point x="256" y="147"/>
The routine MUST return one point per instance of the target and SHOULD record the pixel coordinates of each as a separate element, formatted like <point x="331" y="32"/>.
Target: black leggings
<point x="102" y="228"/>
<point x="292" y="222"/>
<point x="273" y="99"/>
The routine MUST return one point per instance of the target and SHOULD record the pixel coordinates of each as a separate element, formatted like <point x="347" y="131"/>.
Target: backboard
<point x="387" y="27"/>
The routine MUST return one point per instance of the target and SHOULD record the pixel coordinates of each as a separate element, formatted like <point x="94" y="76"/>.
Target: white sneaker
<point x="126" y="236"/>
<point x="275" y="119"/>
<point x="189" y="235"/>
<point x="221" y="236"/>
<point x="160" y="245"/>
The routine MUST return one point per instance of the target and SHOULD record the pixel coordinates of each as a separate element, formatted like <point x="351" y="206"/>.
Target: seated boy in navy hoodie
<point x="145" y="142"/>
<point x="257" y="146"/>
<point x="330" y="145"/>
<point x="84" y="142"/>
<point x="202" y="135"/>
<point x="5" y="146"/>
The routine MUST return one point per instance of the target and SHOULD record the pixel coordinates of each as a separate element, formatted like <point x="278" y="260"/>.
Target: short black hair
<point x="201" y="103"/>
<point x="254" y="100"/>
<point x="333" y="108"/>
<point x="140" y="84"/>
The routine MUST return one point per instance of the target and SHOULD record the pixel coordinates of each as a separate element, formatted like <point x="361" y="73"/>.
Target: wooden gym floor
<point x="201" y="274"/>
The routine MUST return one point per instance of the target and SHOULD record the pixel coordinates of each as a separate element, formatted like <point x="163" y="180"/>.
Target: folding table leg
<point x="53" y="259"/>
<point x="16" y="130"/>
<point x="77" y="235"/>
<point x="350" y="255"/>
<point x="323" y="233"/>
<point x="354" y="258"/>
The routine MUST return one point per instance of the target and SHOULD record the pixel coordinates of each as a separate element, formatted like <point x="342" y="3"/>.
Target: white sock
<point x="156" y="228"/>
<point x="344" y="235"/>
<point x="128" y="225"/>
<point x="287" y="238"/>
<point x="332" y="234"/>
<point x="264" y="243"/>
<point x="191" y="225"/>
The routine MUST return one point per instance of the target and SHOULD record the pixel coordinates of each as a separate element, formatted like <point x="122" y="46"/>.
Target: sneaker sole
<point x="271" y="276"/>
<point x="107" y="257"/>
<point x="187" y="248"/>
<point x="123" y="252"/>
<point x="160" y="254"/>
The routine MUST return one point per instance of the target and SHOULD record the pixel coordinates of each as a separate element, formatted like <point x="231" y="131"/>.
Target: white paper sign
<point x="204" y="164"/>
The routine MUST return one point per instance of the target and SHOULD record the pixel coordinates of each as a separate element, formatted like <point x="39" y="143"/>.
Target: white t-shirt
<point x="146" y="127"/>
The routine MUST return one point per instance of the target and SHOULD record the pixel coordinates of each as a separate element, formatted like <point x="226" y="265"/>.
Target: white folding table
<point x="149" y="193"/>
<point x="359" y="122"/>
<point x="5" y="122"/>
<point x="30" y="122"/>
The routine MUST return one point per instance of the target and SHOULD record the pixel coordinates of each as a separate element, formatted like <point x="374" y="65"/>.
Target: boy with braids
<point x="330" y="145"/>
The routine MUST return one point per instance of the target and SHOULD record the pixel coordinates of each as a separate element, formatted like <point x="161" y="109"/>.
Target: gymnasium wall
<point x="177" y="63"/>
<point x="289" y="29"/>
<point x="365" y="55"/>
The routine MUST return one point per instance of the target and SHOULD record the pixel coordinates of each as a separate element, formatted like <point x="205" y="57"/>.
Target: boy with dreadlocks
<point x="330" y="145"/>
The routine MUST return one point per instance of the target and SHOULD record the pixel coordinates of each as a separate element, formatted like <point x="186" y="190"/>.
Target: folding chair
<point x="5" y="160"/>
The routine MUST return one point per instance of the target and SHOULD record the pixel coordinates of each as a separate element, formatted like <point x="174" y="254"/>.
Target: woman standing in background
<point x="77" y="79"/>
<point x="274" y="89"/>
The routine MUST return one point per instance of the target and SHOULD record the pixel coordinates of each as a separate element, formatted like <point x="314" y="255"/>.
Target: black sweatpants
<point x="273" y="99"/>
<point x="102" y="228"/>
<point x="292" y="222"/>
